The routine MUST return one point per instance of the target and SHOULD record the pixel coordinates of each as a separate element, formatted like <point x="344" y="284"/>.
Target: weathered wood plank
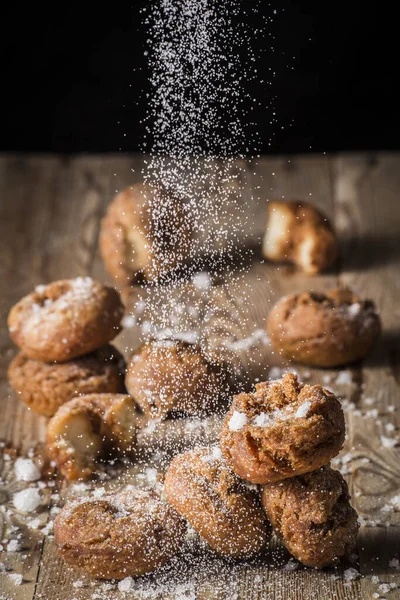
<point x="366" y="193"/>
<point x="27" y="191"/>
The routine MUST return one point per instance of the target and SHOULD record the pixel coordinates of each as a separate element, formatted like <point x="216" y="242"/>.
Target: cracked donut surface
<point x="313" y="517"/>
<point x="169" y="376"/>
<point x="282" y="429"/>
<point x="220" y="507"/>
<point x="65" y="319"/>
<point x="44" y="387"/>
<point x="324" y="330"/>
<point x="89" y="428"/>
<point x="116" y="536"/>
<point x="299" y="233"/>
<point x="137" y="240"/>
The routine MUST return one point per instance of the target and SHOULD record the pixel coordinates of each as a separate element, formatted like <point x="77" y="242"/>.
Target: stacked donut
<point x="67" y="370"/>
<point x="282" y="436"/>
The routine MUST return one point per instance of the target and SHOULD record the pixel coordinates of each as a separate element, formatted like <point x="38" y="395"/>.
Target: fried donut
<point x="312" y="515"/>
<point x="324" y="330"/>
<point x="170" y="376"/>
<point x="65" y="319"/>
<point x="138" y="240"/>
<point x="282" y="429"/>
<point x="121" y="535"/>
<point x="226" y="513"/>
<point x="44" y="387"/>
<point x="297" y="232"/>
<point x="88" y="428"/>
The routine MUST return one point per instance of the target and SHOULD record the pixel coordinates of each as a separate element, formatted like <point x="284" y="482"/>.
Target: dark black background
<point x="72" y="77"/>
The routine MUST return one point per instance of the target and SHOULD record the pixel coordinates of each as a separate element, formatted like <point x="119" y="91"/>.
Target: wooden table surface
<point x="50" y="211"/>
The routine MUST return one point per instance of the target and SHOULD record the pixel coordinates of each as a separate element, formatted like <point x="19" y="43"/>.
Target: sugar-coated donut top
<point x="65" y="319"/>
<point x="274" y="402"/>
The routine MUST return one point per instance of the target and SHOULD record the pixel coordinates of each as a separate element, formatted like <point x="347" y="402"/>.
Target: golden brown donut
<point x="226" y="513"/>
<point x="324" y="330"/>
<point x="117" y="536"/>
<point x="168" y="376"/>
<point x="44" y="387"/>
<point x="89" y="427"/>
<point x="138" y="240"/>
<point x="312" y="516"/>
<point x="299" y="233"/>
<point x="282" y="429"/>
<point x="65" y="319"/>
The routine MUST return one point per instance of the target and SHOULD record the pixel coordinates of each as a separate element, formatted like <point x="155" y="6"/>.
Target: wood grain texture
<point x="25" y="185"/>
<point x="50" y="211"/>
<point x="367" y="213"/>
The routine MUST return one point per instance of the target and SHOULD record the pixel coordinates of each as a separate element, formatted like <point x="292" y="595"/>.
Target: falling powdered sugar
<point x="248" y="342"/>
<point x="128" y="321"/>
<point x="216" y="453"/>
<point x="151" y="475"/>
<point x="275" y="373"/>
<point x="200" y="56"/>
<point x="202" y="281"/>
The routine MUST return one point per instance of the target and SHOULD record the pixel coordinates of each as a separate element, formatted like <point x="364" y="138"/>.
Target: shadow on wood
<point x="387" y="353"/>
<point x="367" y="252"/>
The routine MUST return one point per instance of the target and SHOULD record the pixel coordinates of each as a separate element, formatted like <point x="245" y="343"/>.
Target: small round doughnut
<point x="44" y="387"/>
<point x="65" y="319"/>
<point x="312" y="515"/>
<point x="282" y="429"/>
<point x="89" y="427"/>
<point x="220" y="507"/>
<point x="117" y="536"/>
<point x="137" y="240"/>
<point x="297" y="232"/>
<point x="324" y="330"/>
<point x="170" y="376"/>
